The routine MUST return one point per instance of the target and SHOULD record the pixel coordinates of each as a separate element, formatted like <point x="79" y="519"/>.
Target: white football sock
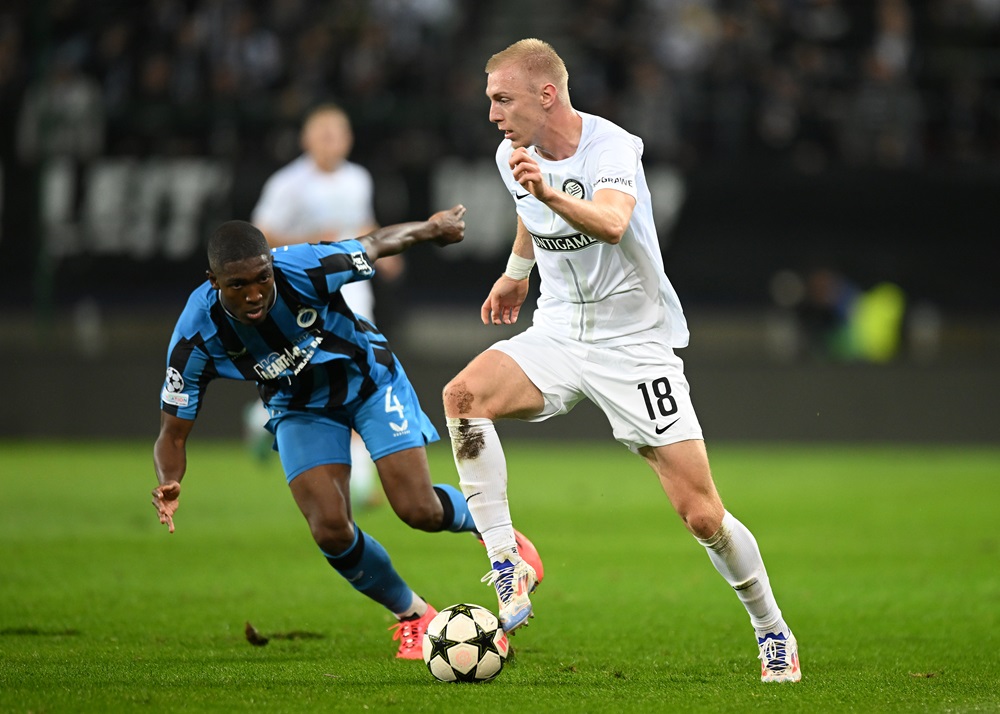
<point x="734" y="553"/>
<point x="482" y="474"/>
<point x="416" y="609"/>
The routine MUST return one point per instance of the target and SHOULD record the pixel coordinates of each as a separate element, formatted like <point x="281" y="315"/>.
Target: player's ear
<point x="212" y="279"/>
<point x="548" y="95"/>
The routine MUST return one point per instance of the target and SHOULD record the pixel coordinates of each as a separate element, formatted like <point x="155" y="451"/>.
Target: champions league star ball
<point x="465" y="643"/>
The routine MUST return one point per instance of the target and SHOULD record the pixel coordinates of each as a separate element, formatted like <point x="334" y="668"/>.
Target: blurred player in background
<point x="278" y="318"/>
<point x="605" y="328"/>
<point x="321" y="196"/>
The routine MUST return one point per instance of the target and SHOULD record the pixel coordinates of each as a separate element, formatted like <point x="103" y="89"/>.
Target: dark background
<point x="859" y="140"/>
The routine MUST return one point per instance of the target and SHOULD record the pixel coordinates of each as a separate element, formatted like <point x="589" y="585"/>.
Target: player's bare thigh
<point x="492" y="386"/>
<point x="687" y="480"/>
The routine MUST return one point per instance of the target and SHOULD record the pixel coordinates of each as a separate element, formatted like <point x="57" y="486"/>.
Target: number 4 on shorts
<point x="392" y="405"/>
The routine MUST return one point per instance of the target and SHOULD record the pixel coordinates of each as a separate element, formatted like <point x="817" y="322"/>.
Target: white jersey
<point x="593" y="291"/>
<point x="300" y="200"/>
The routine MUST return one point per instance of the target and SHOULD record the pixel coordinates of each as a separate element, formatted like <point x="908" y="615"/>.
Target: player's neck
<point x="327" y="167"/>
<point x="562" y="135"/>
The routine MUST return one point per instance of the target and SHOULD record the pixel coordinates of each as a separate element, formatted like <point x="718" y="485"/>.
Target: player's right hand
<point x="528" y="173"/>
<point x="504" y="302"/>
<point x="450" y="225"/>
<point x="165" y="501"/>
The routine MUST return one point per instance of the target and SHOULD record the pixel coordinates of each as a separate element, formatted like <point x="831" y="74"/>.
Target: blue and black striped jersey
<point x="310" y="353"/>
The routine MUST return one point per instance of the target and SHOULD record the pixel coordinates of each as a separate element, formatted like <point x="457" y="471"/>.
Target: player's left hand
<point x="165" y="501"/>
<point x="503" y="304"/>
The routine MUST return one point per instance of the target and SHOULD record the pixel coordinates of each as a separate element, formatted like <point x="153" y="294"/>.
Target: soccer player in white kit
<point x="605" y="328"/>
<point x="321" y="196"/>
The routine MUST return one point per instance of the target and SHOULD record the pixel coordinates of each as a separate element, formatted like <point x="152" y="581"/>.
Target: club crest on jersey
<point x="306" y="317"/>
<point x="362" y="263"/>
<point x="562" y="244"/>
<point x="173" y="388"/>
<point x="574" y="188"/>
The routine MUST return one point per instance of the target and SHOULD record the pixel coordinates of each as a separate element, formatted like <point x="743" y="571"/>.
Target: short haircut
<point x="234" y="241"/>
<point x="540" y="61"/>
<point x="326" y="108"/>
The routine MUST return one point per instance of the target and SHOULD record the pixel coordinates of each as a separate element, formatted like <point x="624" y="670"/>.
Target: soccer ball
<point x="465" y="643"/>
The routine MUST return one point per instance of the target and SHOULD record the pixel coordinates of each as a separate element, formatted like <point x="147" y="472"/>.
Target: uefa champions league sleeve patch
<point x="173" y="388"/>
<point x="362" y="263"/>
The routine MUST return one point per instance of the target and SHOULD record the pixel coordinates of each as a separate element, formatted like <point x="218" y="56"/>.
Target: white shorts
<point x="640" y="388"/>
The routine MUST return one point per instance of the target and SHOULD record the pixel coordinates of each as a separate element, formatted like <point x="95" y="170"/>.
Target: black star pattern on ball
<point x="439" y="646"/>
<point x="483" y="641"/>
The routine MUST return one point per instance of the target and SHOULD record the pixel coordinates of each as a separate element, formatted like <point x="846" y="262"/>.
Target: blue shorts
<point x="388" y="421"/>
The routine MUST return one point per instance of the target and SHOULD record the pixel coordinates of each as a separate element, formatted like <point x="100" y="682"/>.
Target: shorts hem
<point x="321" y="462"/>
<point x="403" y="446"/>
<point x="634" y="446"/>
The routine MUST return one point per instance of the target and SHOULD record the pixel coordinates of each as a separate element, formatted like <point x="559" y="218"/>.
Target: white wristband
<point x="518" y="268"/>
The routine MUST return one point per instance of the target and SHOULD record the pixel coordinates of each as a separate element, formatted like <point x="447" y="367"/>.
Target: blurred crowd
<point x="814" y="83"/>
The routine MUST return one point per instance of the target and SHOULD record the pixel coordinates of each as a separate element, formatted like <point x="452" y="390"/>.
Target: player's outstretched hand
<point x="165" y="501"/>
<point x="504" y="302"/>
<point x="450" y="225"/>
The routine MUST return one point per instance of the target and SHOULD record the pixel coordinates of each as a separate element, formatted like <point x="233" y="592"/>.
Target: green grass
<point x="884" y="560"/>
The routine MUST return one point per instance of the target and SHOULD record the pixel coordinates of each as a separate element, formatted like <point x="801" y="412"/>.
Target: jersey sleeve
<point x="617" y="164"/>
<point x="318" y="270"/>
<point x="274" y="207"/>
<point x="189" y="370"/>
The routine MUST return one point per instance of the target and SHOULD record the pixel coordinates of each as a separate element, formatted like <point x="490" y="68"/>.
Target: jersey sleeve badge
<point x="173" y="389"/>
<point x="362" y="263"/>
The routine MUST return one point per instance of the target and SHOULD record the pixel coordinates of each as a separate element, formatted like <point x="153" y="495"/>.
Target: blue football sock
<point x="367" y="567"/>
<point x="457" y="517"/>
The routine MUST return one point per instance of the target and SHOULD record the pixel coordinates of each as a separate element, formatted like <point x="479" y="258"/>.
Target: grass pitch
<point x="884" y="560"/>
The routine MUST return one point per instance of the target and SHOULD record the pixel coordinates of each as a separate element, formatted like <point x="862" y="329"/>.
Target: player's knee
<point x="703" y="519"/>
<point x="332" y="537"/>
<point x="422" y="514"/>
<point x="457" y="398"/>
<point x="702" y="527"/>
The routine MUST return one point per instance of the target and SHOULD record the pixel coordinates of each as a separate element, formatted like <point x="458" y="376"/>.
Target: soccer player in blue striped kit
<point x="277" y="317"/>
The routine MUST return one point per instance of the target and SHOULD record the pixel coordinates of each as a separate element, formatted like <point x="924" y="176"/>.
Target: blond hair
<point x="539" y="60"/>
